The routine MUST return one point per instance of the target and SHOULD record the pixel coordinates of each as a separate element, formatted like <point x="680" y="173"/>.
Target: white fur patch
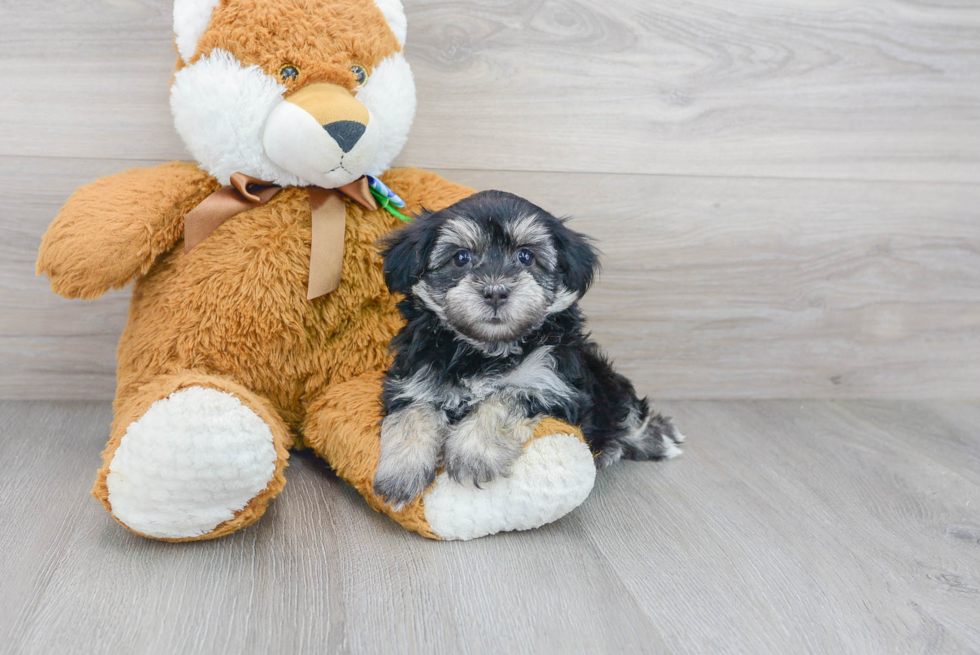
<point x="469" y="313"/>
<point x="455" y="234"/>
<point x="394" y="13"/>
<point x="220" y="108"/>
<point x="637" y="438"/>
<point x="232" y="119"/>
<point x="423" y="292"/>
<point x="191" y="18"/>
<point x="535" y="377"/>
<point x="190" y="463"/>
<point x="671" y="450"/>
<point x="527" y="230"/>
<point x="552" y="476"/>
<point x="389" y="94"/>
<point x="297" y="143"/>
<point x="564" y="299"/>
<point x="419" y="388"/>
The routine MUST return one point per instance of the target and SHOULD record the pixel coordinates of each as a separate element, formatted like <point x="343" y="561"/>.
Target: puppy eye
<point x="359" y="74"/>
<point x="288" y="73"/>
<point x="462" y="258"/>
<point x="525" y="256"/>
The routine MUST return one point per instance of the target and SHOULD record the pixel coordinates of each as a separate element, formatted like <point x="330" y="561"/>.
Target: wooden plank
<point x="320" y="573"/>
<point x="786" y="527"/>
<point x="51" y="453"/>
<point x="798" y="527"/>
<point x="713" y="287"/>
<point x="51" y="347"/>
<point x="805" y="88"/>
<point x="951" y="434"/>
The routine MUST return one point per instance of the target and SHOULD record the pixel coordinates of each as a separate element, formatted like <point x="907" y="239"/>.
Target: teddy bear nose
<point x="345" y="133"/>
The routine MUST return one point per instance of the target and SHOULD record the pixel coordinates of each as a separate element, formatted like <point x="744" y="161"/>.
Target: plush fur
<point x="493" y="340"/>
<point x="231" y="102"/>
<point x="394" y="13"/>
<point x="191" y="18"/>
<point x="223" y="339"/>
<point x="192" y="461"/>
<point x="562" y="475"/>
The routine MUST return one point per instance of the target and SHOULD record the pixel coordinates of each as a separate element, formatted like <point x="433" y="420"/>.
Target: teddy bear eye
<point x="288" y="73"/>
<point x="359" y="73"/>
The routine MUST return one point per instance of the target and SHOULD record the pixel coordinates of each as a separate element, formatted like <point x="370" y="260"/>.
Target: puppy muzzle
<point x="496" y="294"/>
<point x="322" y="134"/>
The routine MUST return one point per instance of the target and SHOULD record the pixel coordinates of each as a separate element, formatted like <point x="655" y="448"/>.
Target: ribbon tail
<point x="328" y="210"/>
<point x="360" y="192"/>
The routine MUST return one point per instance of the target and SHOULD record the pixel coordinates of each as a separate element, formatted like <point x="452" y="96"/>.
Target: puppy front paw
<point x="483" y="445"/>
<point x="410" y="441"/>
<point x="479" y="465"/>
<point x="399" y="484"/>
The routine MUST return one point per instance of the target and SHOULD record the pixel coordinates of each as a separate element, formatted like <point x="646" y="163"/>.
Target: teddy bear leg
<point x="192" y="456"/>
<point x="552" y="476"/>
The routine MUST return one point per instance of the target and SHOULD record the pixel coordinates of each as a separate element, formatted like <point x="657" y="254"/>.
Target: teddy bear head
<point x="293" y="92"/>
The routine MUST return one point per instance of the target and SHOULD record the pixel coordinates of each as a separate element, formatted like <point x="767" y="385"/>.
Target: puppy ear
<point x="406" y="251"/>
<point x="578" y="259"/>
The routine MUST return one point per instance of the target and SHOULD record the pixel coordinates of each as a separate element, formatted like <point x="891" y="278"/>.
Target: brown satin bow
<point x="328" y="215"/>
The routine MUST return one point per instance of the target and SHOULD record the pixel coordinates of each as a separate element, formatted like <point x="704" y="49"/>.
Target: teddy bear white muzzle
<point x="321" y="134"/>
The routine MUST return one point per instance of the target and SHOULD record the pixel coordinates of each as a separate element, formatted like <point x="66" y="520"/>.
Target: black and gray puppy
<point x="494" y="341"/>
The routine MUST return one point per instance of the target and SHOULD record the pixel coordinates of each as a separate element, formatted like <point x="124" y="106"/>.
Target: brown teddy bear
<point x="260" y="320"/>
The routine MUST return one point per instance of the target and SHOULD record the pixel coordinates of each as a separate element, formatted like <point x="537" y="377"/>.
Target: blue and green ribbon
<point x="387" y="198"/>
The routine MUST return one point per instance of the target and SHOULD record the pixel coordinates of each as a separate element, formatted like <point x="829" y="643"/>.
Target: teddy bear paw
<point x="552" y="476"/>
<point x="190" y="463"/>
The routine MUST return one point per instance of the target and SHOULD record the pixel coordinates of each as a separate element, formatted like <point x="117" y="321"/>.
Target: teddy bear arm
<point x="111" y="231"/>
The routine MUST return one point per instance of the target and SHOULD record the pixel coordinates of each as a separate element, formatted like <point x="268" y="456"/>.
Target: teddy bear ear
<point x="191" y="18"/>
<point x="394" y="13"/>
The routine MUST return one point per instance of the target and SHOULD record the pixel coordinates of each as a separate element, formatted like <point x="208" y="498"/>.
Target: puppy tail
<point x="642" y="435"/>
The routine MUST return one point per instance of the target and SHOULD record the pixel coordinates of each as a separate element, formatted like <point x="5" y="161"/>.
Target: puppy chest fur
<point x="532" y="381"/>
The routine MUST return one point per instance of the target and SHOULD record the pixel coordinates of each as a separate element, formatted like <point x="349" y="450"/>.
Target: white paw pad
<point x="552" y="476"/>
<point x="192" y="461"/>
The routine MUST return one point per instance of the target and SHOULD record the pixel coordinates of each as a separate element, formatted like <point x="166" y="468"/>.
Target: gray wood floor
<point x="787" y="526"/>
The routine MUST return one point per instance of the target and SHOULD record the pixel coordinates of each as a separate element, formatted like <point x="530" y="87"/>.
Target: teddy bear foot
<point x="553" y="476"/>
<point x="194" y="461"/>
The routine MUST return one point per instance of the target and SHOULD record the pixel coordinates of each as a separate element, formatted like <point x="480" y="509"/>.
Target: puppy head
<point x="492" y="267"/>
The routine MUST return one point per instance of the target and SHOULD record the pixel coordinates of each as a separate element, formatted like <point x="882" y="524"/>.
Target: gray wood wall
<point x="786" y="191"/>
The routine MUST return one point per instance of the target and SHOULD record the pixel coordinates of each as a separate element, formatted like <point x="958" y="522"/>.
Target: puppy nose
<point x="496" y="294"/>
<point x="345" y="133"/>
